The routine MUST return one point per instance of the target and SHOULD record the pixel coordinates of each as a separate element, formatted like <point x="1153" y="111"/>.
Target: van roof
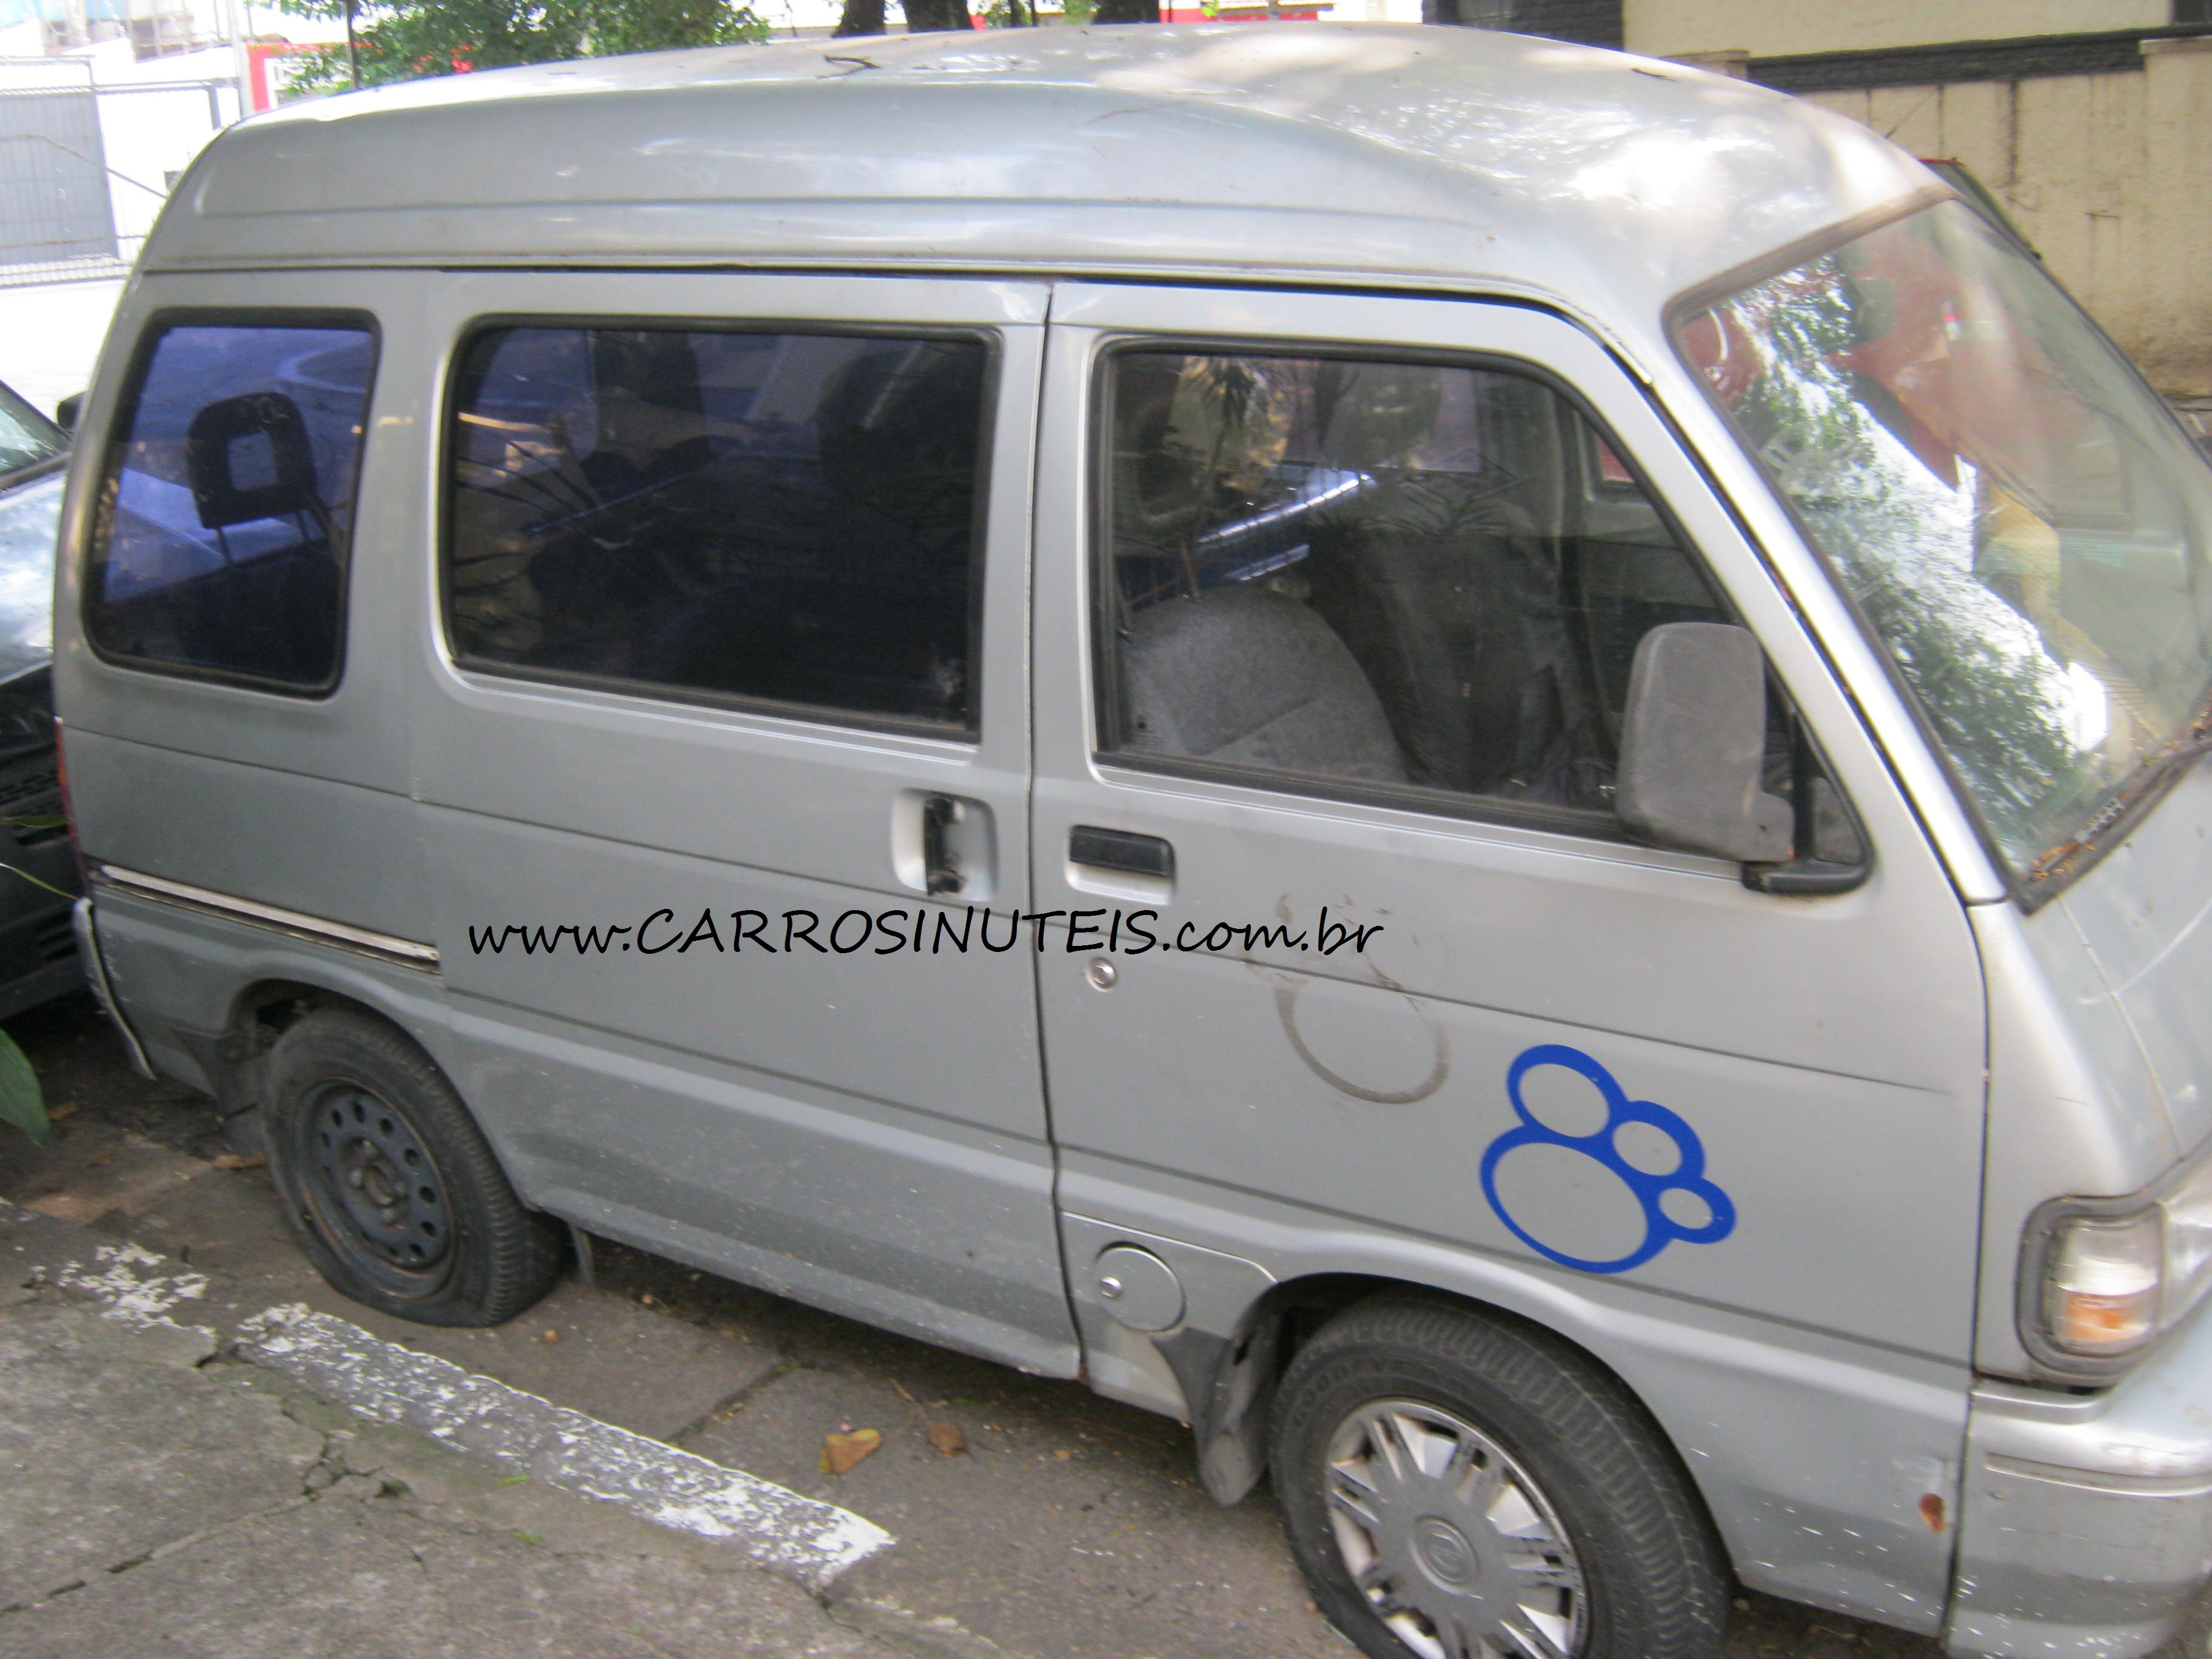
<point x="1402" y="155"/>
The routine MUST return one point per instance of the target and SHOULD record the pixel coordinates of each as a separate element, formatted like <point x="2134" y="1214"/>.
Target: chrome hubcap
<point x="1453" y="1545"/>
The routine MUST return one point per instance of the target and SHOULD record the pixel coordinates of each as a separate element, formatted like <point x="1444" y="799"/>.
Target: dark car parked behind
<point x="37" y="872"/>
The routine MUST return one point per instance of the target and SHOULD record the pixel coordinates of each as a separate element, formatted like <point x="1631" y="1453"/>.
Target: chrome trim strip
<point x="423" y="958"/>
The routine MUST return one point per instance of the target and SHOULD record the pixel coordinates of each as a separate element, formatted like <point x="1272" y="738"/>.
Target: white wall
<point x="1778" y="28"/>
<point x="2110" y="177"/>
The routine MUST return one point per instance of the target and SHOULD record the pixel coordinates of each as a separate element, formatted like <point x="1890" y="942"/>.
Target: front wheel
<point x="1457" y="1487"/>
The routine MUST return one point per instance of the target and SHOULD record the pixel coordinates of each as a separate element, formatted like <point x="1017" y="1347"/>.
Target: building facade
<point x="2089" y="120"/>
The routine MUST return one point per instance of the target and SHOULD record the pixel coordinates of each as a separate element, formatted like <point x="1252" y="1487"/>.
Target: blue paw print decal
<point x="1687" y="1176"/>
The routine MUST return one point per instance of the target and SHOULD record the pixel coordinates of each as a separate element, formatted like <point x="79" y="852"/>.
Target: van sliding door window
<point x="220" y="537"/>
<point x="1380" y="579"/>
<point x="720" y="515"/>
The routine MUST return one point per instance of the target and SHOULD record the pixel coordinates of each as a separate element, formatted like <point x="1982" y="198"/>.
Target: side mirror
<point x="66" y="412"/>
<point x="1691" y="745"/>
<point x="248" y="458"/>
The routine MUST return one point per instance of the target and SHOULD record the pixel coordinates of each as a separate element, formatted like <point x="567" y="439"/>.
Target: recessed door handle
<point x="1121" y="849"/>
<point x="943" y="845"/>
<point x="940" y="868"/>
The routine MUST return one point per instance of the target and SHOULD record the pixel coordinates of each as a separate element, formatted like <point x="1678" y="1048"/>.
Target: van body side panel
<point x="2073" y="1102"/>
<point x="923" y="1224"/>
<point x="297" y="800"/>
<point x="678" y="933"/>
<point x="1821" y="1058"/>
<point x="1813" y="1453"/>
<point x="2144" y="914"/>
<point x="208" y="821"/>
<point x="179" y="971"/>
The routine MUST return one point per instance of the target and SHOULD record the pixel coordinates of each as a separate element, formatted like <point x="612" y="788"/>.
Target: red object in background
<point x="259" y="82"/>
<point x="1246" y="14"/>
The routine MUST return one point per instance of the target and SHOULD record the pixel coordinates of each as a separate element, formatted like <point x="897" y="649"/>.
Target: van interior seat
<point x="1438" y="623"/>
<point x="1247" y="675"/>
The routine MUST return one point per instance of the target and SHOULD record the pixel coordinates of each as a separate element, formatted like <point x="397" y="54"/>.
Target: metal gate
<point x="57" y="216"/>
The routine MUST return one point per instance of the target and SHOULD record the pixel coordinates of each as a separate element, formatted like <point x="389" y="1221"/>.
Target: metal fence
<point x="84" y="168"/>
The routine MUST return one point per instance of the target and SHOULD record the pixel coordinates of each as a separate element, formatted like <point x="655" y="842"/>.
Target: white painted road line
<point x="795" y="1537"/>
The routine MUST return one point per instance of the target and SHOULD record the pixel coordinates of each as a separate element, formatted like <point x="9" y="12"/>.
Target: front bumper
<point x="2086" y="1520"/>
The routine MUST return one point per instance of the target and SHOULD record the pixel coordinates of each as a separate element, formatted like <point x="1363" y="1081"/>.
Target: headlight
<point x="2103" y="1278"/>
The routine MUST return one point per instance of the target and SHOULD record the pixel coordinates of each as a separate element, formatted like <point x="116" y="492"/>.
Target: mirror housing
<point x="67" y="411"/>
<point x="1693" y="742"/>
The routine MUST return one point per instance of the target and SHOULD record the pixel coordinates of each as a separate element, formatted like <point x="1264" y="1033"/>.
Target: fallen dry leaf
<point x="55" y="1114"/>
<point x="102" y="1161"/>
<point x="840" y="1452"/>
<point x="239" y="1160"/>
<point x="947" y="1438"/>
<point x="1062" y="1455"/>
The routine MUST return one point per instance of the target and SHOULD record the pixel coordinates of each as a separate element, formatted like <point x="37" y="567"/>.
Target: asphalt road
<point x="1065" y="1525"/>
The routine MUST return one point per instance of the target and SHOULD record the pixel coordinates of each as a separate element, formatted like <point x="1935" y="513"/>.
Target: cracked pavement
<point x="163" y="1498"/>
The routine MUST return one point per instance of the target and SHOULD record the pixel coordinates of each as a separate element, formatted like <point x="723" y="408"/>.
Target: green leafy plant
<point x="22" y="1103"/>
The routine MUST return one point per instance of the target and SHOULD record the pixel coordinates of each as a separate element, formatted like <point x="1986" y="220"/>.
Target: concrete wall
<point x="2110" y="176"/>
<point x="1778" y="28"/>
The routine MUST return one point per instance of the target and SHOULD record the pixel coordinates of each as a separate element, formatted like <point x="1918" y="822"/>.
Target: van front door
<point x="1352" y="970"/>
<point x="728" y="703"/>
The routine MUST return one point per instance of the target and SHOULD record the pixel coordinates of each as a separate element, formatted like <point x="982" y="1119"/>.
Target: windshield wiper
<point x="2175" y="759"/>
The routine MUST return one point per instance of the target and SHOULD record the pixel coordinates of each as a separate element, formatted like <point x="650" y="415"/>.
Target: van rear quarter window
<point x="717" y="514"/>
<point x="220" y="537"/>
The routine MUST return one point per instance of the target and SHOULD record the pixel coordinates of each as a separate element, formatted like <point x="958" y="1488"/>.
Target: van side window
<point x="1394" y="575"/>
<point x="220" y="537"/>
<point x="716" y="514"/>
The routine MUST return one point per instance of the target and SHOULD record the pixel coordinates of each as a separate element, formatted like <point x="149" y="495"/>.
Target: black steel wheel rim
<point x="373" y="1190"/>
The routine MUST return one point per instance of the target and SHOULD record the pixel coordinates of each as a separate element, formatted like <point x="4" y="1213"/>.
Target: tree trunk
<point x="1127" y="11"/>
<point x="861" y="17"/>
<point x="927" y="16"/>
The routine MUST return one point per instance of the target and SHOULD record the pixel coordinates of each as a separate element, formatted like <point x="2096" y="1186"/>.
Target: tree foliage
<point x="408" y="39"/>
<point x="922" y="16"/>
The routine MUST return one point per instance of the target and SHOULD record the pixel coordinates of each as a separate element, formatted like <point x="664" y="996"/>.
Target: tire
<point x="390" y="1188"/>
<point x="1509" y="1448"/>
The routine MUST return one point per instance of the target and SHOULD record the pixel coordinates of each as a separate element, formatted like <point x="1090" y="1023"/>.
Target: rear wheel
<point x="389" y="1186"/>
<point x="1461" y="1488"/>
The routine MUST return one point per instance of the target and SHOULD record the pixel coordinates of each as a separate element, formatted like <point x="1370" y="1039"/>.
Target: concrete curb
<point x="794" y="1537"/>
<point x="799" y="1538"/>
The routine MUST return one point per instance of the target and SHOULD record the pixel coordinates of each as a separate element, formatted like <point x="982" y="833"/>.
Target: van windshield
<point x="2022" y="521"/>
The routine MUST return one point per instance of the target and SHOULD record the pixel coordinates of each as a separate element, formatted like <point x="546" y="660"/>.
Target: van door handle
<point x="940" y="868"/>
<point x="1121" y="849"/>
<point x="943" y="845"/>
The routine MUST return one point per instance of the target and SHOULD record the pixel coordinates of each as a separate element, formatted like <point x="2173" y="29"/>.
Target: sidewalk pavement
<point x="167" y="1493"/>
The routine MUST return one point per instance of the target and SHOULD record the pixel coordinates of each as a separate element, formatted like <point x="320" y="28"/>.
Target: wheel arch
<point x="1231" y="1400"/>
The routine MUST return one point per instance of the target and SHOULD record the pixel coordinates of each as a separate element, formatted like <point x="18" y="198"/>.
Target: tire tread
<point x="1670" y="1586"/>
<point x="512" y="1255"/>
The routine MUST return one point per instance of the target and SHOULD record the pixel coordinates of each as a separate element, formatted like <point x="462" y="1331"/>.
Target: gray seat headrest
<point x="1243" y="674"/>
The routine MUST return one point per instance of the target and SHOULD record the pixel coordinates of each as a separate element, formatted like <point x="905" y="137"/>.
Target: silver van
<point x="1470" y="759"/>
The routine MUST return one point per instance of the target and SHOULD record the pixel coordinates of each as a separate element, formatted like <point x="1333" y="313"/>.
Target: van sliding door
<point x="728" y="712"/>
